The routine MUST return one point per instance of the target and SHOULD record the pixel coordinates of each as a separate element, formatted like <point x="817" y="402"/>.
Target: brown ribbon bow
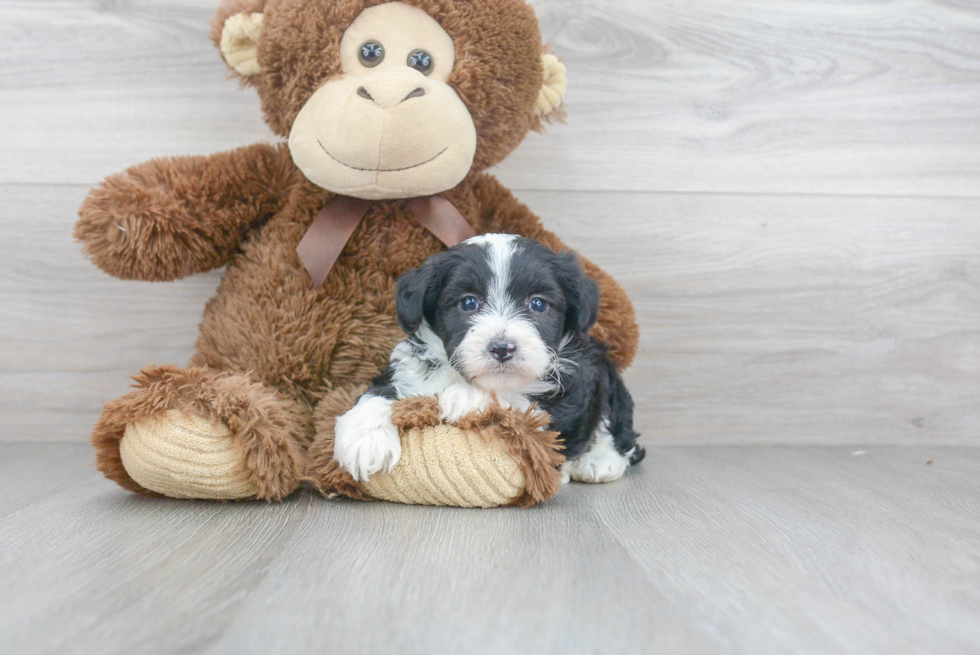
<point x="332" y="228"/>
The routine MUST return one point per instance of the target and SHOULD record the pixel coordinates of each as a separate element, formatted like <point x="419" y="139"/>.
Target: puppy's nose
<point x="503" y="350"/>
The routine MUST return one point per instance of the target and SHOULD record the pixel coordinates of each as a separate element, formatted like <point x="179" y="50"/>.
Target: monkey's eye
<point x="539" y="305"/>
<point x="421" y="61"/>
<point x="371" y="54"/>
<point x="469" y="304"/>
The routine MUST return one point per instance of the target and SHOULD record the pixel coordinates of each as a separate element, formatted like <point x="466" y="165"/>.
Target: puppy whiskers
<point x="559" y="365"/>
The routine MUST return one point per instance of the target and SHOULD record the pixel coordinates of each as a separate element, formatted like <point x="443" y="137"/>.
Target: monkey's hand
<point x="169" y="218"/>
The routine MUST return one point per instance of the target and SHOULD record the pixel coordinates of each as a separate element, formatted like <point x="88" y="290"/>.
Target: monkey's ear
<point x="239" y="43"/>
<point x="553" y="87"/>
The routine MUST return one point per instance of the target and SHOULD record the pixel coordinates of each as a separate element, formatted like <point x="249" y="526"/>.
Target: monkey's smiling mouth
<point x="381" y="170"/>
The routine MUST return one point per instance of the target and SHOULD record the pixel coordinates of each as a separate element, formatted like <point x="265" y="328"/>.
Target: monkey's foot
<point x="185" y="456"/>
<point x="202" y="433"/>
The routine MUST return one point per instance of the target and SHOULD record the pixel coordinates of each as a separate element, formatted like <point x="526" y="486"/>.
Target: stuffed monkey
<point x="391" y="112"/>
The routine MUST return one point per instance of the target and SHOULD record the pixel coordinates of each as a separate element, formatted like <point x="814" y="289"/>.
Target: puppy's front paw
<point x="458" y="400"/>
<point x="365" y="441"/>
<point x="601" y="463"/>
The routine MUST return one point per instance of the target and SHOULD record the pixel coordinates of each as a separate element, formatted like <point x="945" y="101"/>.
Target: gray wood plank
<point x="856" y="98"/>
<point x="90" y="569"/>
<point x="764" y="319"/>
<point x="698" y="550"/>
<point x="800" y="320"/>
<point x="810" y="550"/>
<point x="95" y="87"/>
<point x="390" y="578"/>
<point x="34" y="470"/>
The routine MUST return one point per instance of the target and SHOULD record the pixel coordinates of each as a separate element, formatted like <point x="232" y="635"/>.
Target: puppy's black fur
<point x="592" y="392"/>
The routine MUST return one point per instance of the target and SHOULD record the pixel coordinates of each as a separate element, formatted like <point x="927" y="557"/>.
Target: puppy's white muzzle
<point x="502" y="353"/>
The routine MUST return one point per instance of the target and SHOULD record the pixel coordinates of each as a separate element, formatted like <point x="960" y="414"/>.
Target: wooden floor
<point x="698" y="550"/>
<point x="789" y="191"/>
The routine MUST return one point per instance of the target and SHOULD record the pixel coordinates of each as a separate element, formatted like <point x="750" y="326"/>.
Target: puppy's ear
<point x="410" y="298"/>
<point x="581" y="294"/>
<point x="417" y="293"/>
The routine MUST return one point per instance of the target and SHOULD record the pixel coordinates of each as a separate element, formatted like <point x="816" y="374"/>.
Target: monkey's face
<point x="385" y="100"/>
<point x="389" y="126"/>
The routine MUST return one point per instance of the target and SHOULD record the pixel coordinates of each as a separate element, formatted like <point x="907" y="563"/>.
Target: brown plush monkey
<point x="382" y="103"/>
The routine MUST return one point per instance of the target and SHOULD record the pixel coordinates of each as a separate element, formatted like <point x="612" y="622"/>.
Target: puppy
<point x="499" y="317"/>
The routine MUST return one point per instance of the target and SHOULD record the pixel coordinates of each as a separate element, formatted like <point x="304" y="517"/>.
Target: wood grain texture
<point x="767" y="318"/>
<point x="698" y="550"/>
<point x="795" y="214"/>
<point x="793" y="319"/>
<point x="801" y="96"/>
<point x="773" y="319"/>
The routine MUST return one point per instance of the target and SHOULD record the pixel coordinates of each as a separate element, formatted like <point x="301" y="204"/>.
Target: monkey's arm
<point x="616" y="327"/>
<point x="172" y="217"/>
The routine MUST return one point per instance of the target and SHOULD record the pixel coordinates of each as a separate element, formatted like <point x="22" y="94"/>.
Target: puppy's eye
<point x="371" y="54"/>
<point x="421" y="61"/>
<point x="539" y="305"/>
<point x="469" y="304"/>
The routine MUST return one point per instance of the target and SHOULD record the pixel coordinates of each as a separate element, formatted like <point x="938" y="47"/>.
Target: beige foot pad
<point x="445" y="466"/>
<point x="185" y="456"/>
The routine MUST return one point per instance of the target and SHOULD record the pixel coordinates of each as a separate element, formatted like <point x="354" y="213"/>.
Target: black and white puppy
<point x="499" y="316"/>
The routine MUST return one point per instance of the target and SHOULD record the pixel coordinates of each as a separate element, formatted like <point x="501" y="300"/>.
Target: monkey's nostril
<point x="417" y="93"/>
<point x="503" y="350"/>
<point x="361" y="91"/>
